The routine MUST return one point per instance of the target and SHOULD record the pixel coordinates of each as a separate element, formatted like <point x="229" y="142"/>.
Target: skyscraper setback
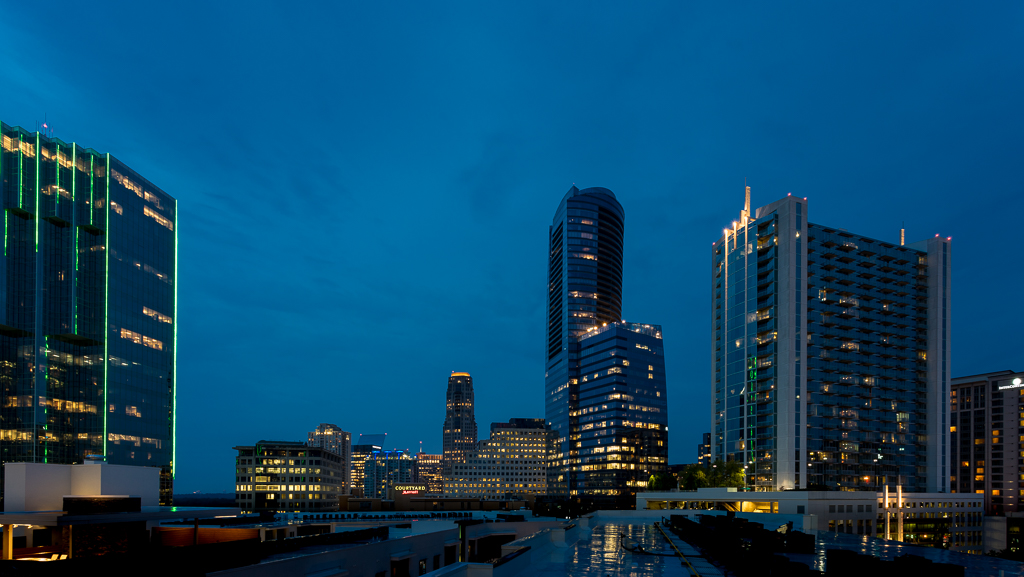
<point x="608" y="417"/>
<point x="459" y="429"/>
<point x="88" y="308"/>
<point x="830" y="363"/>
<point x="584" y="291"/>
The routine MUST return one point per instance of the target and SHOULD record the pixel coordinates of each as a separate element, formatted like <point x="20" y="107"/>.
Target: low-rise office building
<point x="947" y="520"/>
<point x="985" y="436"/>
<point x="59" y="512"/>
<point x="288" y="476"/>
<point x="508" y="466"/>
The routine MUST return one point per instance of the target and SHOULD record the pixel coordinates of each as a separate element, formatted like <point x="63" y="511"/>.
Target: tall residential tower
<point x="333" y="438"/>
<point x="830" y="354"/>
<point x="88" y="308"/>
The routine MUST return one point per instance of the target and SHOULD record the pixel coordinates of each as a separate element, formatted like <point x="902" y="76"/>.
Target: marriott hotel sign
<point x="1015" y="384"/>
<point x="410" y="489"/>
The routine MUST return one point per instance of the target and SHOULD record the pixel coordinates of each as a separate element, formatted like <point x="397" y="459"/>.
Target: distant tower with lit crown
<point x="459" y="434"/>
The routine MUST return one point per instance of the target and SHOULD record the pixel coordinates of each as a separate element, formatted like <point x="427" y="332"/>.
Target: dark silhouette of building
<point x="459" y="430"/>
<point x="704" y="450"/>
<point x="88" y="308"/>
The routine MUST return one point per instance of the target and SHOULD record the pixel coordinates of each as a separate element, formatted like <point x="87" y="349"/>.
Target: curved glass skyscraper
<point x="584" y="291"/>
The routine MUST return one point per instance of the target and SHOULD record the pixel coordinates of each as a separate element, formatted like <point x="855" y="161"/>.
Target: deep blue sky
<point x="365" y="190"/>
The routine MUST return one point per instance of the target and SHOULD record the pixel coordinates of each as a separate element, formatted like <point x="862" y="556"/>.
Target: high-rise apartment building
<point x="287" y="476"/>
<point x="88" y="308"/>
<point x="384" y="469"/>
<point x="334" y="439"/>
<point x="985" y="438"/>
<point x="430" y="472"/>
<point x="508" y="466"/>
<point x="831" y="354"/>
<point x="459" y="429"/>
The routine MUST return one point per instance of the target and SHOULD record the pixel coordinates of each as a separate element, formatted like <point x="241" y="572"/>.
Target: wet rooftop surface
<point x="974" y="565"/>
<point x="601" y="554"/>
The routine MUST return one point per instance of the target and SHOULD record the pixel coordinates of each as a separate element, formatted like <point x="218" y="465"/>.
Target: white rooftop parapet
<point x="42" y="486"/>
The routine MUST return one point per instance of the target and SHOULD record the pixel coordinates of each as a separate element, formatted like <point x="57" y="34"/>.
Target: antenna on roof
<point x="745" y="215"/>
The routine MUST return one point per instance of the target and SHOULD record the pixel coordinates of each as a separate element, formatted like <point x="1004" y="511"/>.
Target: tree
<point x="733" y="475"/>
<point x="693" y="477"/>
<point x="661" y="482"/>
<point x="718" y="474"/>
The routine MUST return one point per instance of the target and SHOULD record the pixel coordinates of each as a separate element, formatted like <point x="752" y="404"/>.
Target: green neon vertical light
<point x="46" y="439"/>
<point x="74" y="221"/>
<point x="174" y="379"/>
<point x="106" y="304"/>
<point x="21" y="172"/>
<point x="92" y="176"/>
<point x="4" y="188"/>
<point x="38" y="215"/>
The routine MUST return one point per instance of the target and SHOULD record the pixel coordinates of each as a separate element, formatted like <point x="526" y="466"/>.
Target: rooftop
<point x="649" y="330"/>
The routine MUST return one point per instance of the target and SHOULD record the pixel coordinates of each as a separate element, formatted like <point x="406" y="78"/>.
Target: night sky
<point x="365" y="191"/>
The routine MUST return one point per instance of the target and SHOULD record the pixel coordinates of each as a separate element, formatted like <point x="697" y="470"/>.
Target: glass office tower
<point x="88" y="319"/>
<point x="621" y="410"/>
<point x="830" y="358"/>
<point x="385" y="469"/>
<point x="584" y="291"/>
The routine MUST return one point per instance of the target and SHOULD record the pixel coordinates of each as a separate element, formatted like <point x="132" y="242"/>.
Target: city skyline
<point x="450" y="139"/>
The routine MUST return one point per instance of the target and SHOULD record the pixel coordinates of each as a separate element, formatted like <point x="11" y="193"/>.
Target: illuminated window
<point x="158" y="316"/>
<point x="158" y="217"/>
<point x="142" y="339"/>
